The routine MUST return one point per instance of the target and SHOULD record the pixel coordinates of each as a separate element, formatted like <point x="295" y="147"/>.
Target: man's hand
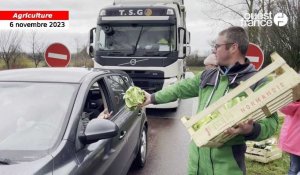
<point x="147" y="99"/>
<point x="243" y="128"/>
<point x="105" y="114"/>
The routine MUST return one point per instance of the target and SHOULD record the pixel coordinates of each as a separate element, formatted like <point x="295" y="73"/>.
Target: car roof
<point x="63" y="75"/>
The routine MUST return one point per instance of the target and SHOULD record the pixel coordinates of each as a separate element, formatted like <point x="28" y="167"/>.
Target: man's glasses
<point x="219" y="45"/>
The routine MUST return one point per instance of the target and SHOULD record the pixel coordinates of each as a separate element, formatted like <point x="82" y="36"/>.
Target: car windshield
<point x="32" y="116"/>
<point x="135" y="38"/>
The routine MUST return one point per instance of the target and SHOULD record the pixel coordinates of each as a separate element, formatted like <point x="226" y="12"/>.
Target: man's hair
<point x="236" y="35"/>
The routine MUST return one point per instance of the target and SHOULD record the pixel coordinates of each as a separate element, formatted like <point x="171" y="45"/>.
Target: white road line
<point x="57" y="56"/>
<point x="253" y="58"/>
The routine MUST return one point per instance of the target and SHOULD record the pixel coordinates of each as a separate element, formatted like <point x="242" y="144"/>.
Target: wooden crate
<point x="283" y="89"/>
<point x="276" y="154"/>
<point x="263" y="155"/>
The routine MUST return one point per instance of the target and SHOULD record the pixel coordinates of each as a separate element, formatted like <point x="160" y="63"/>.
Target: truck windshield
<point x="135" y="38"/>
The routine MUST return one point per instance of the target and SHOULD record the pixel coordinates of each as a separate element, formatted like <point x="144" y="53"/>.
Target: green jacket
<point x="229" y="158"/>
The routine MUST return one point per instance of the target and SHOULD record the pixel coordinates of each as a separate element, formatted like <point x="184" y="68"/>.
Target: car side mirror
<point x="98" y="129"/>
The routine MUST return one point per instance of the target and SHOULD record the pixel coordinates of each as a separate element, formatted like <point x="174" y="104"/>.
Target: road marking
<point x="57" y="56"/>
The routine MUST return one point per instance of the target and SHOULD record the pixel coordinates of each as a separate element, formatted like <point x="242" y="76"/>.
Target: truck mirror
<point x="92" y="31"/>
<point x="90" y="48"/>
<point x="188" y="38"/>
<point x="182" y="40"/>
<point x="91" y="51"/>
<point x="187" y="50"/>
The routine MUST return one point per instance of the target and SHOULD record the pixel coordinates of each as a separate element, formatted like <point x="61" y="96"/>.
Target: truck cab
<point x="146" y="39"/>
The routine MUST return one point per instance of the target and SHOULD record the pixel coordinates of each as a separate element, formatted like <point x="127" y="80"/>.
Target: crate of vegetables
<point x="207" y="127"/>
<point x="264" y="151"/>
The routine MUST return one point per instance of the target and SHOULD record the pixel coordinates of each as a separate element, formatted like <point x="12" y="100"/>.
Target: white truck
<point x="147" y="39"/>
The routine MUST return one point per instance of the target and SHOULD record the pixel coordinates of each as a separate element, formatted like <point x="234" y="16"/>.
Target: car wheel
<point x="140" y="159"/>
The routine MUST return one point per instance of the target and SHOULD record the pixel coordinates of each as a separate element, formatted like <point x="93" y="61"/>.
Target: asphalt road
<point x="167" y="141"/>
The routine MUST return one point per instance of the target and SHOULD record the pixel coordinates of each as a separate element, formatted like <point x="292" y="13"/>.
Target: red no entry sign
<point x="57" y="55"/>
<point x="255" y="55"/>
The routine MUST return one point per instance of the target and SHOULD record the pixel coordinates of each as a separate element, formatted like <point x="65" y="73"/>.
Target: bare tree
<point x="37" y="48"/>
<point x="85" y="55"/>
<point x="76" y="58"/>
<point x="286" y="39"/>
<point x="226" y="10"/>
<point x="10" y="47"/>
<point x="80" y="57"/>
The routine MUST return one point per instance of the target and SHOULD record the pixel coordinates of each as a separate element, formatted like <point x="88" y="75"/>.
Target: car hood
<point x="39" y="166"/>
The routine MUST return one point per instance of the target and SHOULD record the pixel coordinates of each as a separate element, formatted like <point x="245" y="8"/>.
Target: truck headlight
<point x="170" y="12"/>
<point x="102" y="12"/>
<point x="171" y="81"/>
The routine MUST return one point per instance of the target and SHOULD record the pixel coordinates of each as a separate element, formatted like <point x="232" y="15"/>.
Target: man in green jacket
<point x="210" y="85"/>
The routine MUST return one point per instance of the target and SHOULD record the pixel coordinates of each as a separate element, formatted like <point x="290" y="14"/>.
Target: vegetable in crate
<point x="133" y="97"/>
<point x="216" y="114"/>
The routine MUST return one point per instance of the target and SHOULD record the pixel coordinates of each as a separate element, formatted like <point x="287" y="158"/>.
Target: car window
<point x="118" y="87"/>
<point x="95" y="101"/>
<point x="32" y="116"/>
<point x="128" y="80"/>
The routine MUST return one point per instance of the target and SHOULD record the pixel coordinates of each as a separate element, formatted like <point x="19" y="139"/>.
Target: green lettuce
<point x="134" y="96"/>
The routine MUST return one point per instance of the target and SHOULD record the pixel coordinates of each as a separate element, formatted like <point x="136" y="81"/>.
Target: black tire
<point x="140" y="159"/>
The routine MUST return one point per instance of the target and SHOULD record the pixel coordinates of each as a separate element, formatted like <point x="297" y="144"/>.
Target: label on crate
<point x="21" y="19"/>
<point x="254" y="102"/>
<point x="264" y="95"/>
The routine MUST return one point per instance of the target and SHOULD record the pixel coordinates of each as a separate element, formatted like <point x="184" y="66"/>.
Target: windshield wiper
<point x="166" y="54"/>
<point x="5" y="161"/>
<point x="157" y="53"/>
<point x="137" y="42"/>
<point x="152" y="53"/>
<point x="115" y="53"/>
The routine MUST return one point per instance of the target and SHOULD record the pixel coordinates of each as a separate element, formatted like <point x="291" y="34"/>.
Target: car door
<point x="129" y="121"/>
<point x="98" y="158"/>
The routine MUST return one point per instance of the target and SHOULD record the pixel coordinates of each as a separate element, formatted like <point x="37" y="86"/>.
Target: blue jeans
<point x="294" y="165"/>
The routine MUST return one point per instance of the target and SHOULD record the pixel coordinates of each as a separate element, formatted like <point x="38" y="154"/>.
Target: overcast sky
<point x="83" y="16"/>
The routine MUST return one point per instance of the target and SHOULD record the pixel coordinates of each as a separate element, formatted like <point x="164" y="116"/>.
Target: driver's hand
<point x="105" y="114"/>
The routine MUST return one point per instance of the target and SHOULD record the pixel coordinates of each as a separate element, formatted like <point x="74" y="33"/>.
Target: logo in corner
<point x="280" y="19"/>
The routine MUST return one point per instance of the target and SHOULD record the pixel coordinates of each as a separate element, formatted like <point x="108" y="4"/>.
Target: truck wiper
<point x="168" y="53"/>
<point x="5" y="161"/>
<point x="115" y="53"/>
<point x="154" y="53"/>
<point x="137" y="42"/>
